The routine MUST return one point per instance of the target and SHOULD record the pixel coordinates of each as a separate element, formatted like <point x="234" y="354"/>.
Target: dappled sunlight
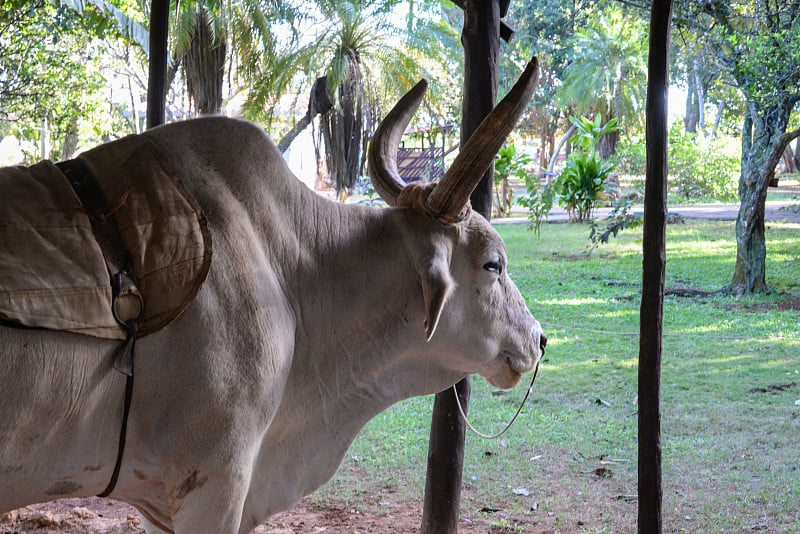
<point x="627" y="363"/>
<point x="565" y="365"/>
<point x="694" y="249"/>
<point x="782" y="226"/>
<point x="728" y="360"/>
<point x="792" y="366"/>
<point x="696" y="329"/>
<point x="619" y="314"/>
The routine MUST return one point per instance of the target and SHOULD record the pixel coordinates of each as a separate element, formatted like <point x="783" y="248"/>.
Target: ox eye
<point x="493" y="267"/>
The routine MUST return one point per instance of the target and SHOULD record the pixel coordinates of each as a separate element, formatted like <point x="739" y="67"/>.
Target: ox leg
<point x="209" y="503"/>
<point x="150" y="528"/>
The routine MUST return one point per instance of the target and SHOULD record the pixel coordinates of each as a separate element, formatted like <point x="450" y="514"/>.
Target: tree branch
<point x="788" y="137"/>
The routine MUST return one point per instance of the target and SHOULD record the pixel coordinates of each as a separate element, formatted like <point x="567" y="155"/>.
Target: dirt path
<point x="104" y="516"/>
<point x="776" y="210"/>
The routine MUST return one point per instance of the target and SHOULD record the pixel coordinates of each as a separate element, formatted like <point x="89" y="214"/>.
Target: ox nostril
<point x="542" y="343"/>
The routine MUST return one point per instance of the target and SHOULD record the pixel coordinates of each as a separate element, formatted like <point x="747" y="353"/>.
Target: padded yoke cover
<point x="52" y="271"/>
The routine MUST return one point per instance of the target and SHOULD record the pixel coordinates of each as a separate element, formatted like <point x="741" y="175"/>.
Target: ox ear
<point x="436" y="287"/>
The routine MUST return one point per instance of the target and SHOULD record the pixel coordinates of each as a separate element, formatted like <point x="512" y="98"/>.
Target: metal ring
<point x="115" y="312"/>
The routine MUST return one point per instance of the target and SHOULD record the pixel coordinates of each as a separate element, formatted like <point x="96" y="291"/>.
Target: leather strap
<point x="93" y="202"/>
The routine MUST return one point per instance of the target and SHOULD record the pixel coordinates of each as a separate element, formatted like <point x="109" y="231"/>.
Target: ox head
<point x="475" y="315"/>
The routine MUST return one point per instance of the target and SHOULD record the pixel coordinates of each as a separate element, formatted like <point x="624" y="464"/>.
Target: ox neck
<point x="367" y="337"/>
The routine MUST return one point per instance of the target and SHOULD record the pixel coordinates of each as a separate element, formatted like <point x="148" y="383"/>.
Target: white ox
<point x="315" y="317"/>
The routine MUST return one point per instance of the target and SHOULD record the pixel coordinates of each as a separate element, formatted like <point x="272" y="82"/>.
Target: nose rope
<point x="495" y="436"/>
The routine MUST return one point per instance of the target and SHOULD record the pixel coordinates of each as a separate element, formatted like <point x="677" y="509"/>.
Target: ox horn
<point x="382" y="154"/>
<point x="450" y="196"/>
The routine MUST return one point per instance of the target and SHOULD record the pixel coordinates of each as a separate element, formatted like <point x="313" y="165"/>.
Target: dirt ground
<point x="104" y="516"/>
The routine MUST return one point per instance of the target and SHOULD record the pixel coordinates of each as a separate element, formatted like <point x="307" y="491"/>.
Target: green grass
<point x="731" y="454"/>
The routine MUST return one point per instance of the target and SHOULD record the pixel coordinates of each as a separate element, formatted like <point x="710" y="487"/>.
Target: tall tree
<point x="214" y="41"/>
<point x="50" y="76"/>
<point x="608" y="71"/>
<point x="757" y="42"/>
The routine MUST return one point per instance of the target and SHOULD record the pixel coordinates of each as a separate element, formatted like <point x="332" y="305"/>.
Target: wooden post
<point x="654" y="247"/>
<point x="157" y="71"/>
<point x="481" y="40"/>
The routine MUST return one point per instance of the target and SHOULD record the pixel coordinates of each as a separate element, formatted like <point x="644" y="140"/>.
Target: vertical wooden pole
<point x="157" y="72"/>
<point x="654" y="252"/>
<point x="481" y="40"/>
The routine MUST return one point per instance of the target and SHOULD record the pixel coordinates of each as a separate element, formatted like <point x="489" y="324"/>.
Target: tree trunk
<point x="44" y="139"/>
<point x="557" y="150"/>
<point x="653" y="269"/>
<point x="763" y="142"/>
<point x="701" y="97"/>
<point x="70" y="139"/>
<point x="718" y="118"/>
<point x="692" y="116"/>
<point x="481" y="40"/>
<point x="607" y="146"/>
<point x="319" y="102"/>
<point x="343" y="131"/>
<point x="789" y="161"/>
<point x="204" y="67"/>
<point x="797" y="155"/>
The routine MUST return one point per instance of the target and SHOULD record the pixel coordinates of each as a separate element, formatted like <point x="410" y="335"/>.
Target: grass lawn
<point x="731" y="399"/>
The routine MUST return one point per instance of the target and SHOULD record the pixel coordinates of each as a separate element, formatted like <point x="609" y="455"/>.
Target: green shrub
<point x="620" y="218"/>
<point x="538" y="200"/>
<point x="582" y="184"/>
<point x="702" y="167"/>
<point x="508" y="162"/>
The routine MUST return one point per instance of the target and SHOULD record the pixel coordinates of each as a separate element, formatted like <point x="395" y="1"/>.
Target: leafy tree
<point x="702" y="166"/>
<point x="50" y="79"/>
<point x="212" y="38"/>
<point x="608" y="71"/>
<point x="708" y="84"/>
<point x="757" y="42"/>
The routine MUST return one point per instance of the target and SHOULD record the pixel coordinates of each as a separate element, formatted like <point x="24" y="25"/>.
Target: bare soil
<point x="104" y="516"/>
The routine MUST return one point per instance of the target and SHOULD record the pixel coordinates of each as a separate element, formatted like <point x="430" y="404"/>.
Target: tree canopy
<point x="50" y="74"/>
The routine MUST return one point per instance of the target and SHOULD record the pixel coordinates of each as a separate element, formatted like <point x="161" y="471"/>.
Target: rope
<point x="495" y="436"/>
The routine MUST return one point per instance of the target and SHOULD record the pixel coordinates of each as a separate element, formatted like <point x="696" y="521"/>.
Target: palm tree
<point x="212" y="38"/>
<point x="200" y="48"/>
<point x="608" y="72"/>
<point x="366" y="54"/>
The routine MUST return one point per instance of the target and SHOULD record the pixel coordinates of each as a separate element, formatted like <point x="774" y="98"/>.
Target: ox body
<point x="314" y="318"/>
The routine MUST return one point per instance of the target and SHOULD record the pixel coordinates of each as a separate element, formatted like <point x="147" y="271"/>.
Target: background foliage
<point x="702" y="167"/>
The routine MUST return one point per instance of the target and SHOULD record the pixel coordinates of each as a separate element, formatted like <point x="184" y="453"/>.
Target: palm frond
<point x="128" y="27"/>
